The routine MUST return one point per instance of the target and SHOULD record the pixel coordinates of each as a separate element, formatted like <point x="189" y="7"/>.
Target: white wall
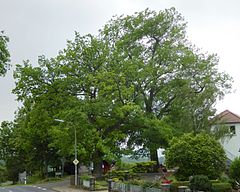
<point x="232" y="145"/>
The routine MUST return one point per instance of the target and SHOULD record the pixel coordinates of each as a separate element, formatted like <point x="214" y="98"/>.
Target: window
<point x="233" y="130"/>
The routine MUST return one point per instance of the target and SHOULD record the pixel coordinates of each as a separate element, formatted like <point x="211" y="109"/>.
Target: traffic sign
<point x="75" y="161"/>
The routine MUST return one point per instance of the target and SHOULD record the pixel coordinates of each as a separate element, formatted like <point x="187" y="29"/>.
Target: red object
<point x="167" y="181"/>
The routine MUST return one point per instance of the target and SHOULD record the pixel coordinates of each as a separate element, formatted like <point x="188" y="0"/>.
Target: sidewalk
<point x="72" y="189"/>
<point x="68" y="189"/>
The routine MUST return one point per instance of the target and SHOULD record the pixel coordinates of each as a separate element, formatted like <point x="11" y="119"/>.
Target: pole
<point x="75" y="151"/>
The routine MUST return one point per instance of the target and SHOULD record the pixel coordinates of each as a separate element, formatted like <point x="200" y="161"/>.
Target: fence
<point x="122" y="187"/>
<point x="84" y="183"/>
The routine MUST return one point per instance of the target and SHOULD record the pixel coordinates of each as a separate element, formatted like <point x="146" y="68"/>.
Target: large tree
<point x="170" y="79"/>
<point x="132" y="84"/>
<point x="72" y="87"/>
<point x="4" y="54"/>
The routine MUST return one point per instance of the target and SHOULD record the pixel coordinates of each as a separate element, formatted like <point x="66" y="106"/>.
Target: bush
<point x="145" y="167"/>
<point x="200" y="183"/>
<point x="124" y="165"/>
<point x="121" y="175"/>
<point x="234" y="170"/>
<point x="143" y="183"/>
<point x="196" y="155"/>
<point x="221" y="187"/>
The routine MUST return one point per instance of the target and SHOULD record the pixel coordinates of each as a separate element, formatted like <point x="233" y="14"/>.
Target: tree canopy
<point x="133" y="86"/>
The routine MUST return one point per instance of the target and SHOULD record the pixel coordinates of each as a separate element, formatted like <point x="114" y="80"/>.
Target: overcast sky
<point x="37" y="27"/>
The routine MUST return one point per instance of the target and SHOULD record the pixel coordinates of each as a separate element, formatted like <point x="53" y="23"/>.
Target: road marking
<point x="44" y="189"/>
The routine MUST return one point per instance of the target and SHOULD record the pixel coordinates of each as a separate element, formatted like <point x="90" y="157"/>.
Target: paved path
<point x="68" y="189"/>
<point x="71" y="189"/>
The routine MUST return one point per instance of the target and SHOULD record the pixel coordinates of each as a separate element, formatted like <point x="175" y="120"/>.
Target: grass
<point x="101" y="185"/>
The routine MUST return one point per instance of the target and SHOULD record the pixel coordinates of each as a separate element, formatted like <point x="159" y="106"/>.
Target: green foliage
<point x="120" y="165"/>
<point x="221" y="187"/>
<point x="143" y="183"/>
<point x="4" y="54"/>
<point x="125" y="85"/>
<point x="145" y="167"/>
<point x="234" y="170"/>
<point x="85" y="177"/>
<point x="34" y="179"/>
<point x="196" y="155"/>
<point x="3" y="173"/>
<point x="200" y="183"/>
<point x="122" y="175"/>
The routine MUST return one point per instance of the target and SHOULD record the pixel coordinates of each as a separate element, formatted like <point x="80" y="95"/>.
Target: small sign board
<point x="75" y="161"/>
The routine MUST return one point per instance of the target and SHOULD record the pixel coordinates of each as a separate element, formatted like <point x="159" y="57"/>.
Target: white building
<point x="231" y="144"/>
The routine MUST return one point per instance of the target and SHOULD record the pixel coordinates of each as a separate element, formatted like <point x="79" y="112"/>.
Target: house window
<point x="232" y="130"/>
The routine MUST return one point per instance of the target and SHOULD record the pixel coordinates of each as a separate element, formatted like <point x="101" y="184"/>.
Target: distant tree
<point x="4" y="54"/>
<point x="196" y="155"/>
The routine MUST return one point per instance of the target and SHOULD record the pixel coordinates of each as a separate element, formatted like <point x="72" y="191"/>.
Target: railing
<point x="122" y="187"/>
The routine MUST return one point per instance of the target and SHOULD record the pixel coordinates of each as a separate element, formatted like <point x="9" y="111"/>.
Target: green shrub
<point x="124" y="165"/>
<point x="122" y="175"/>
<point x="85" y="177"/>
<point x="143" y="183"/>
<point x="200" y="183"/>
<point x="145" y="167"/>
<point x="234" y="170"/>
<point x="196" y="155"/>
<point x="221" y="187"/>
<point x="34" y="179"/>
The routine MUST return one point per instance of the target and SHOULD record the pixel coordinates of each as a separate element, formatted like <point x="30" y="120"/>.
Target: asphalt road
<point x="25" y="188"/>
<point x="45" y="187"/>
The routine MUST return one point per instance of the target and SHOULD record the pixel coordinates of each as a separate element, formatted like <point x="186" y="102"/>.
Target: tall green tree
<point x="86" y="65"/>
<point x="40" y="91"/>
<point x="132" y="84"/>
<point x="168" y="76"/>
<point x="4" y="54"/>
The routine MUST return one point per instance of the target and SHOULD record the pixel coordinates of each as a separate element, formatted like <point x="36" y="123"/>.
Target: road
<point x="25" y="188"/>
<point x="45" y="187"/>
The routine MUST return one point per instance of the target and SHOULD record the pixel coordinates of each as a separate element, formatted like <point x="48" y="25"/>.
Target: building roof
<point x="228" y="117"/>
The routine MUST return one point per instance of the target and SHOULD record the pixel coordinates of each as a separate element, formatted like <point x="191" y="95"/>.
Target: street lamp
<point x="75" y="161"/>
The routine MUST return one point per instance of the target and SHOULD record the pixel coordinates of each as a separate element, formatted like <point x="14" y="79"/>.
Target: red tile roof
<point x="228" y="117"/>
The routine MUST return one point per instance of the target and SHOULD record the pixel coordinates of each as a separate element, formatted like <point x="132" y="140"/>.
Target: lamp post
<point x="75" y="161"/>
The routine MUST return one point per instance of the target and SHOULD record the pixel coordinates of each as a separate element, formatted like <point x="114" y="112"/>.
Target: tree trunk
<point x="154" y="156"/>
<point x="97" y="164"/>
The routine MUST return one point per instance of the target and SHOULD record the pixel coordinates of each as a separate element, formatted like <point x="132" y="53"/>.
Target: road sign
<point x="75" y="161"/>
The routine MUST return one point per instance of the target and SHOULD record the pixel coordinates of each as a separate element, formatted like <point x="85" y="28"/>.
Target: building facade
<point x="231" y="143"/>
